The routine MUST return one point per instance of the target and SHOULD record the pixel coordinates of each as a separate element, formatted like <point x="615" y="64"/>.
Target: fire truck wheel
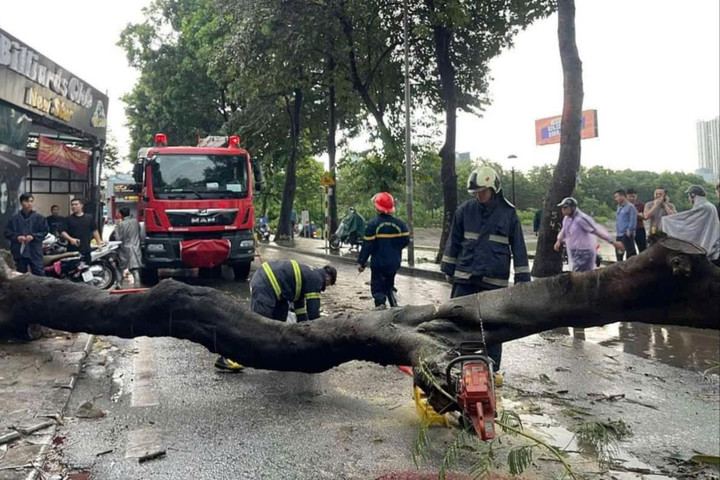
<point x="241" y="271"/>
<point x="149" y="276"/>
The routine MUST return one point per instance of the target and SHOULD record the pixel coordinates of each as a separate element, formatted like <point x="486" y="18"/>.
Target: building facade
<point x="708" y="139"/>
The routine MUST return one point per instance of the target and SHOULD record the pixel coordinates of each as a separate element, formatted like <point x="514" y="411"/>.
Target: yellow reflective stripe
<point x="522" y="269"/>
<point x="495" y="281"/>
<point x="447" y="259"/>
<point x="463" y="275"/>
<point x="471" y="235"/>
<point x="298" y="279"/>
<point x="369" y="239"/>
<point x="311" y="295"/>
<point x="273" y="281"/>
<point x="392" y="235"/>
<point x="499" y="239"/>
<point x="300" y="311"/>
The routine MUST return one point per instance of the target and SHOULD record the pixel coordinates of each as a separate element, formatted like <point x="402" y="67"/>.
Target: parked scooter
<point x="59" y="263"/>
<point x="105" y="266"/>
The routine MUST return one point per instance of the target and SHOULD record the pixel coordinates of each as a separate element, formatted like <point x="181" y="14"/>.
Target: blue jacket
<point x="482" y="240"/>
<point x="385" y="237"/>
<point x="626" y="219"/>
<point x="35" y="225"/>
<point x="290" y="281"/>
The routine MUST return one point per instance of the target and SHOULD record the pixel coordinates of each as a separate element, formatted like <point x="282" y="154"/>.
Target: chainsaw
<point x="474" y="387"/>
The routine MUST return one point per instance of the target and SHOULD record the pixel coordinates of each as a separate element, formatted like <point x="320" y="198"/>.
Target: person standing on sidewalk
<point x="79" y="229"/>
<point x="385" y="238"/>
<point x="55" y="221"/>
<point x="127" y="231"/>
<point x="640" y="237"/>
<point x="626" y="224"/>
<point x="26" y="231"/>
<point x="485" y="234"/>
<point x="656" y="210"/>
<point x="578" y="232"/>
<point x="278" y="283"/>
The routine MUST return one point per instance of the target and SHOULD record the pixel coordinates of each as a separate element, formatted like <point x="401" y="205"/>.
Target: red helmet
<point x="384" y="202"/>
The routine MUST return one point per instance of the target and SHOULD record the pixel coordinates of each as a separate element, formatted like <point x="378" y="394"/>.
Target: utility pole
<point x="512" y="159"/>
<point x="408" y="156"/>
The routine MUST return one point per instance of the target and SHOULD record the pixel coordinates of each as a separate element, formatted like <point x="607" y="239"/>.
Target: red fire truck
<point x="196" y="207"/>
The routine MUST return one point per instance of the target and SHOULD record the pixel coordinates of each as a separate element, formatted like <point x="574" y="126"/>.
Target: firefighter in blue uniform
<point x="278" y="283"/>
<point x="485" y="234"/>
<point x="385" y="237"/>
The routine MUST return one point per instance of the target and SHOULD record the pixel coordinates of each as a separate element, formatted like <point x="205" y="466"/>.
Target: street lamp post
<point x="408" y="157"/>
<point x="512" y="157"/>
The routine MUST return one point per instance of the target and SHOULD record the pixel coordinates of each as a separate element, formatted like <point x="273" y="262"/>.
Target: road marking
<point x="143" y="394"/>
<point x="143" y="441"/>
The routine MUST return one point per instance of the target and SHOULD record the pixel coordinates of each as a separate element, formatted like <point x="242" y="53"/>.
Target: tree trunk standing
<point x="294" y="111"/>
<point x="442" y="38"/>
<point x="671" y="283"/>
<point x="547" y="260"/>
<point x="332" y="146"/>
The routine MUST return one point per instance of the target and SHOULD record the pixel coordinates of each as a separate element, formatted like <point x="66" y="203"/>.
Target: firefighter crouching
<point x="385" y="238"/>
<point x="485" y="234"/>
<point x="277" y="284"/>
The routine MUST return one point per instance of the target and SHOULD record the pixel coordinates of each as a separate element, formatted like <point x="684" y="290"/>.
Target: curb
<point x="39" y="461"/>
<point x="404" y="270"/>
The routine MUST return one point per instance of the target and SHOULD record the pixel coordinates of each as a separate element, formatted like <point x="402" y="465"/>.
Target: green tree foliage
<point x="453" y="42"/>
<point x="175" y="93"/>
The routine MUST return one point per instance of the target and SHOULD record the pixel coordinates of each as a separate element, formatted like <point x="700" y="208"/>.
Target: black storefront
<point x="40" y="98"/>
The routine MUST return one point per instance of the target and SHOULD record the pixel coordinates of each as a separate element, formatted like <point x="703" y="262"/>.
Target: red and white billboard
<point x="57" y="154"/>
<point x="547" y="130"/>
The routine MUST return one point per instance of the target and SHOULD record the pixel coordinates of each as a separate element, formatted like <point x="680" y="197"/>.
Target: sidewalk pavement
<point x="36" y="380"/>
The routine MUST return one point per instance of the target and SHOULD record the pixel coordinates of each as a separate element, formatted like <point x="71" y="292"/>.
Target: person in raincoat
<point x="698" y="225"/>
<point x="128" y="232"/>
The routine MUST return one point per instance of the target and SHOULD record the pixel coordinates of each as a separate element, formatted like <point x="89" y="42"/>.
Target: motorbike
<point x="350" y="231"/>
<point x="105" y="266"/>
<point x="263" y="233"/>
<point x="59" y="263"/>
<point x="103" y="271"/>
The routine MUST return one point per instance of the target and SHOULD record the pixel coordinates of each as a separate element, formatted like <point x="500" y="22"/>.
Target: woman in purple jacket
<point x="578" y="232"/>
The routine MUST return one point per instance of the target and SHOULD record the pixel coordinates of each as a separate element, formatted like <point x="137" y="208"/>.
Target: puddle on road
<point x="549" y="430"/>
<point x="682" y="347"/>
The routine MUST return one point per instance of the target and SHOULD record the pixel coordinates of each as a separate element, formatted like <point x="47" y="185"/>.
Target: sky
<point x="651" y="68"/>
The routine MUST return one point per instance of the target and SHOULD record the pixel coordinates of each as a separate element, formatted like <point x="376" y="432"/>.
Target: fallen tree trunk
<point x="670" y="283"/>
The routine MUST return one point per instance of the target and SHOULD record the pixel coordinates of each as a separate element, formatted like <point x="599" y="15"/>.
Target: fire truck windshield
<point x="199" y="176"/>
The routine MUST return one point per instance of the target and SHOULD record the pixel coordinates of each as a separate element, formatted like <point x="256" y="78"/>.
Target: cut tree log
<point x="670" y="283"/>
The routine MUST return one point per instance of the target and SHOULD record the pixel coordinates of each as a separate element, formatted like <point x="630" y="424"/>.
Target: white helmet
<point x="483" y="177"/>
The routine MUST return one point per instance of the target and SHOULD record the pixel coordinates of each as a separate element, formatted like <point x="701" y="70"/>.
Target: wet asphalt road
<point x="357" y="420"/>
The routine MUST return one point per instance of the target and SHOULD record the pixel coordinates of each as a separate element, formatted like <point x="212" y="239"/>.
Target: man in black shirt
<point x="79" y="229"/>
<point x="55" y="221"/>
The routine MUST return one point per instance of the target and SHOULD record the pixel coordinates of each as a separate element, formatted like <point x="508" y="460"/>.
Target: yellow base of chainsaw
<point x="426" y="412"/>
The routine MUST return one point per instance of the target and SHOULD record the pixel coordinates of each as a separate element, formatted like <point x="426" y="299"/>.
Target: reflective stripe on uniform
<point x="393" y="235"/>
<point x="499" y="239"/>
<point x="522" y="269"/>
<point x="298" y="279"/>
<point x="369" y="239"/>
<point x="471" y="235"/>
<point x="312" y="295"/>
<point x="447" y="259"/>
<point x="462" y="275"/>
<point x="301" y="311"/>
<point x="495" y="281"/>
<point x="273" y="281"/>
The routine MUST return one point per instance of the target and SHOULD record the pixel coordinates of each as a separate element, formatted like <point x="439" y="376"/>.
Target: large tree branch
<point x="670" y="283"/>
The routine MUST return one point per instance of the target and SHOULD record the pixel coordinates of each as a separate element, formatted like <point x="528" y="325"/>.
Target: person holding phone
<point x="658" y="208"/>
